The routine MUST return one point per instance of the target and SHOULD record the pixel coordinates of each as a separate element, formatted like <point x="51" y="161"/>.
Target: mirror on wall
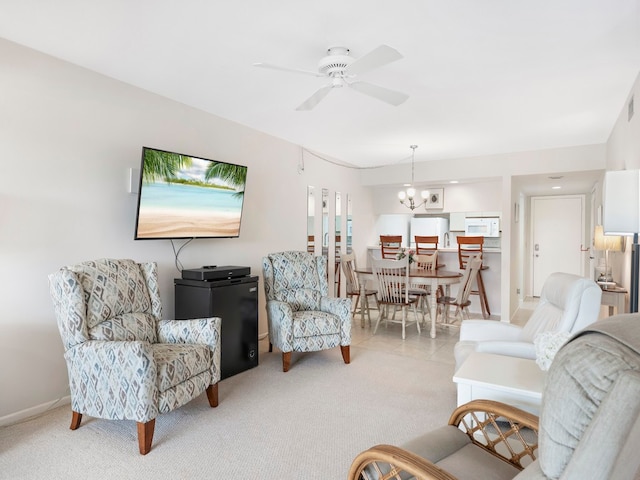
<point x="337" y="274"/>
<point x="325" y="226"/>
<point x="311" y="209"/>
<point x="349" y="224"/>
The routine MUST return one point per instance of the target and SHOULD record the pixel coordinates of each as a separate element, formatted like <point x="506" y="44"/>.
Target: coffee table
<point x="511" y="380"/>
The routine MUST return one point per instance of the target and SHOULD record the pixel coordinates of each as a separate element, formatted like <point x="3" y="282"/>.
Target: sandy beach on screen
<point x="182" y="224"/>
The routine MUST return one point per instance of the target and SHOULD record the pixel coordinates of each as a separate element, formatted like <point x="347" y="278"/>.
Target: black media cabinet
<point x="235" y="300"/>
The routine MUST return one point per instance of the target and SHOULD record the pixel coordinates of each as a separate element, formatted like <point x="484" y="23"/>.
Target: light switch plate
<point x="133" y="180"/>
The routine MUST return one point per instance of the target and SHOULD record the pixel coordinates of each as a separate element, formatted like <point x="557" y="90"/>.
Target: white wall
<point x="491" y="167"/>
<point x="68" y="138"/>
<point x="623" y="153"/>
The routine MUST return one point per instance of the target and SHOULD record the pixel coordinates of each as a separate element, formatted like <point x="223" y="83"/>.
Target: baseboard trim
<point x="33" y="411"/>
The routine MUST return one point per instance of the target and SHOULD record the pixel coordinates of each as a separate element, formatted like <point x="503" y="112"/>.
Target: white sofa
<point x="568" y="303"/>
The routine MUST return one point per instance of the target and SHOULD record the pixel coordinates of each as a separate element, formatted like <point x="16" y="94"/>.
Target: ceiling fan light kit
<point x="339" y="68"/>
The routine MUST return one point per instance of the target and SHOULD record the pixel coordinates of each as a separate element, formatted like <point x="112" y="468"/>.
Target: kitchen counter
<point x="446" y="250"/>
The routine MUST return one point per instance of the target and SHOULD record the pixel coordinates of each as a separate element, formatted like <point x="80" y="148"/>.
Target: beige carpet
<point x="306" y="424"/>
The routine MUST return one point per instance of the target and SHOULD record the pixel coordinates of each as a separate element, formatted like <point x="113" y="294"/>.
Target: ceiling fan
<point x="341" y="69"/>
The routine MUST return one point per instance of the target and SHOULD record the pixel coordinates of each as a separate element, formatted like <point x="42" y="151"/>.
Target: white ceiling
<point x="483" y="76"/>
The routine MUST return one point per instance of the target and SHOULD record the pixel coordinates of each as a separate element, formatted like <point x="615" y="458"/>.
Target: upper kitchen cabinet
<point x="456" y="221"/>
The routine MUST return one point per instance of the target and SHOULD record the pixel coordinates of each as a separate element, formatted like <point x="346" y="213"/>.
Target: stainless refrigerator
<point x="429" y="226"/>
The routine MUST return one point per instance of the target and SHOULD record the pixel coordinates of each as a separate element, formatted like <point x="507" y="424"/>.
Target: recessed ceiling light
<point x="453" y="181"/>
<point x="557" y="177"/>
<point x="556" y="187"/>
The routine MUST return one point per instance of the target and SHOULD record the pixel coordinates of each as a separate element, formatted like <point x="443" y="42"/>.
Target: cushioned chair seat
<point x="177" y="363"/>
<point x="310" y="323"/>
<point x="451" y="449"/>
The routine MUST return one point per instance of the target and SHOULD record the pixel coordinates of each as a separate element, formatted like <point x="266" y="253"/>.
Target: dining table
<point x="432" y="278"/>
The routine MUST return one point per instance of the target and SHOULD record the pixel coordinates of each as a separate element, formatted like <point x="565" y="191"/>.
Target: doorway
<point x="557" y="237"/>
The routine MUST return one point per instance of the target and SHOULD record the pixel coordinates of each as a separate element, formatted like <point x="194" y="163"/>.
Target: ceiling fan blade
<point x="374" y="59"/>
<point x="286" y="69"/>
<point x="314" y="99"/>
<point x="389" y="96"/>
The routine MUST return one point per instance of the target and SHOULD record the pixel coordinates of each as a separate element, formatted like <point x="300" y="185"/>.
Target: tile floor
<point x="388" y="337"/>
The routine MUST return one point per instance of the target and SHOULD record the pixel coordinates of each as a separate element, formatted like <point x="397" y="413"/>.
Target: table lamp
<point x="606" y="243"/>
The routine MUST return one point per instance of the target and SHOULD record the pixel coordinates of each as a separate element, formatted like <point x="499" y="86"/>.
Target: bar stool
<point x="390" y="246"/>
<point x="468" y="247"/>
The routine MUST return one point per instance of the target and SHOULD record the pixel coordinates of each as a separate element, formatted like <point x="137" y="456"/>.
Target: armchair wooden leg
<point x="286" y="361"/>
<point x="346" y="353"/>
<point x="145" y="436"/>
<point x="212" y="394"/>
<point x="270" y="347"/>
<point x="76" y="418"/>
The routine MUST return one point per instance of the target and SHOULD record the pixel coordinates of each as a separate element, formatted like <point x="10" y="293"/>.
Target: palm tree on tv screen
<point x="234" y="175"/>
<point x="160" y="165"/>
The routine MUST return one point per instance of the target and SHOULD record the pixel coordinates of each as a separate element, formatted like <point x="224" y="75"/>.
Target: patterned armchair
<point x="302" y="318"/>
<point x="124" y="361"/>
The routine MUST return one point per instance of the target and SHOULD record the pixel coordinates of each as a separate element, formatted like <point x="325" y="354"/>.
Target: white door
<point x="557" y="237"/>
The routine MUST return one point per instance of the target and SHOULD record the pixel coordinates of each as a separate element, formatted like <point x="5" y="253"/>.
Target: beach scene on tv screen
<point x="183" y="196"/>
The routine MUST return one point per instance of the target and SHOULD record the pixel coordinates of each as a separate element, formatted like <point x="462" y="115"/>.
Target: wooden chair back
<point x="426" y="262"/>
<point x="426" y="244"/>
<point x="393" y="278"/>
<point x="470" y="273"/>
<point x="469" y="247"/>
<point x="390" y="246"/>
<point x="348" y="264"/>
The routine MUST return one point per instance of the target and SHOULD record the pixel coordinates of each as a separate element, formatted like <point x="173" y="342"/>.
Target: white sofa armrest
<point x="511" y="349"/>
<point x="482" y="330"/>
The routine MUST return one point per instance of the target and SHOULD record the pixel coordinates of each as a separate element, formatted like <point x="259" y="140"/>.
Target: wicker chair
<point x="589" y="425"/>
<point x="124" y="361"/>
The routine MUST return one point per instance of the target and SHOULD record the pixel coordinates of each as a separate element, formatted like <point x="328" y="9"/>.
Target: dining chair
<point x="467" y="248"/>
<point x="424" y="262"/>
<point x="428" y="244"/>
<point x="461" y="300"/>
<point x="393" y="282"/>
<point x="390" y="246"/>
<point x="349" y="268"/>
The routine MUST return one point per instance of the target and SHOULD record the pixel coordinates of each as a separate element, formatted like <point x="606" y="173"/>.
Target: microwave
<point x="482" y="226"/>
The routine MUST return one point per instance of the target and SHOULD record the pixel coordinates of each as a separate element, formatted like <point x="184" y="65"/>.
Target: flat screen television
<point x="181" y="196"/>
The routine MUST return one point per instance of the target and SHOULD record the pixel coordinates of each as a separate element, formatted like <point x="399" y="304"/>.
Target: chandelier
<point x="407" y="196"/>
